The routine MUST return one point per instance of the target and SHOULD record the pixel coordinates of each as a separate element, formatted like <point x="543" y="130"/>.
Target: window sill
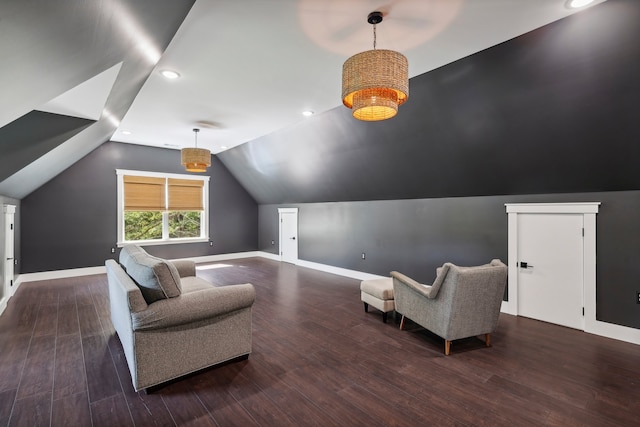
<point x="165" y="242"/>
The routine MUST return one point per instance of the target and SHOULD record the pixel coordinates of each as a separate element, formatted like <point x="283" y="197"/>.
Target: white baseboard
<point x="596" y="327"/>
<point x="617" y="332"/>
<point x="3" y="304"/>
<point x="269" y="255"/>
<point x="58" y="274"/>
<point x="609" y="330"/>
<point x="223" y="257"/>
<point x="354" y="274"/>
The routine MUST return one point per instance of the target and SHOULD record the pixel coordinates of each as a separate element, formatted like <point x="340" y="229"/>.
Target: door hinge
<point x="582" y="231"/>
<point x="11" y="227"/>
<point x="583" y="311"/>
<point x="11" y="282"/>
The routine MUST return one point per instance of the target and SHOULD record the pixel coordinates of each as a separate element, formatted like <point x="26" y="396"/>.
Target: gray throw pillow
<point x="157" y="278"/>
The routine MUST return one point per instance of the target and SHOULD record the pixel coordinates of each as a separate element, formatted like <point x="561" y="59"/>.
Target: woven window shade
<point x="143" y="193"/>
<point x="185" y="194"/>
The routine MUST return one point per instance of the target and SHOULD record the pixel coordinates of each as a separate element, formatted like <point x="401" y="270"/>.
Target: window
<point x="156" y="208"/>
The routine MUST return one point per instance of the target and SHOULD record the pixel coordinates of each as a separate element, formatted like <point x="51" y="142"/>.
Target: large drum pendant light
<point x="375" y="82"/>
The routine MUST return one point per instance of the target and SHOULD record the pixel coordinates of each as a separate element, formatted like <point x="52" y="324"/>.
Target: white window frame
<point x="204" y="218"/>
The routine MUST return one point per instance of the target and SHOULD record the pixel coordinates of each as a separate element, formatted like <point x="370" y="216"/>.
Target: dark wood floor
<point x="318" y="359"/>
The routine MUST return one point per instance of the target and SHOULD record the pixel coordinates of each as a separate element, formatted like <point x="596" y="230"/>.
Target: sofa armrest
<point x="185" y="267"/>
<point x="194" y="306"/>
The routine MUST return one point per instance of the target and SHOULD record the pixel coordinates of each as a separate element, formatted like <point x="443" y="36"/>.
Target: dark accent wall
<point x="33" y="135"/>
<point x="553" y="111"/>
<point x="416" y="236"/>
<point x="70" y="222"/>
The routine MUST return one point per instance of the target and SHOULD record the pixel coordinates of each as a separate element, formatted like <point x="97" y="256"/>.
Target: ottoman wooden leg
<point x="384" y="317"/>
<point x="366" y="307"/>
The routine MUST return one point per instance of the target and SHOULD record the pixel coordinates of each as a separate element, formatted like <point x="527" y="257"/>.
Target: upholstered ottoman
<point x="378" y="293"/>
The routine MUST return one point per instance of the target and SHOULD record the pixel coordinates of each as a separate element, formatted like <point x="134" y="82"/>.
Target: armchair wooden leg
<point x="384" y="317"/>
<point x="487" y="339"/>
<point x="366" y="307"/>
<point x="447" y="347"/>
<point x="402" y="322"/>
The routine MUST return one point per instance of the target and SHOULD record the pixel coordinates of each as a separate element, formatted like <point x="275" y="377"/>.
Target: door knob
<point x="292" y="238"/>
<point x="525" y="265"/>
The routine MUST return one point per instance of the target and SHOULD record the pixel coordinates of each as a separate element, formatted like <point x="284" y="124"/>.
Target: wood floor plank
<point x="34" y="410"/>
<point x="46" y="322"/>
<point x="88" y="320"/>
<point x="146" y="409"/>
<point x="298" y="407"/>
<point x="255" y="401"/>
<point x="37" y="374"/>
<point x="71" y="410"/>
<point x="111" y="411"/>
<point x="102" y="379"/>
<point x="185" y="407"/>
<point x="69" y="373"/>
<point x="224" y="409"/>
<point x="7" y="398"/>
<point x="68" y="319"/>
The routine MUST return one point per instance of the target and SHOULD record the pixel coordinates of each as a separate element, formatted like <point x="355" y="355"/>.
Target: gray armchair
<point x="462" y="302"/>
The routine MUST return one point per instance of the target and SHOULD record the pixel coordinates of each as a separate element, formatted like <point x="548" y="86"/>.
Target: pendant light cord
<point x="196" y="132"/>
<point x="374" y="36"/>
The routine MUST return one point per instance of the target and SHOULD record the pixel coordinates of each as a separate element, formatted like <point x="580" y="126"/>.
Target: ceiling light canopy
<point x="375" y="82"/>
<point x="196" y="159"/>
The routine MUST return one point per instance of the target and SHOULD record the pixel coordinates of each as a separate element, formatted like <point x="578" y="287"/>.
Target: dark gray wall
<point x="70" y="222"/>
<point x="33" y="135"/>
<point x="416" y="236"/>
<point x="553" y="111"/>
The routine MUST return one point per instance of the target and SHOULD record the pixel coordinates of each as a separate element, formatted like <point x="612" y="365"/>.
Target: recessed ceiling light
<point x="575" y="4"/>
<point x="126" y="132"/>
<point x="170" y="74"/>
<point x="307" y="113"/>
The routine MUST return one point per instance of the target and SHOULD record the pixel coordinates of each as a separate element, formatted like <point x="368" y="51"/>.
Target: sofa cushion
<point x="157" y="278"/>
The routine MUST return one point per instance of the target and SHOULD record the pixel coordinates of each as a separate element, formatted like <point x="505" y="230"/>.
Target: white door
<point x="8" y="253"/>
<point x="551" y="268"/>
<point x="288" y="234"/>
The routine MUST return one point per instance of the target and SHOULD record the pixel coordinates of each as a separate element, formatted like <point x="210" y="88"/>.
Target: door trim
<point x="282" y="211"/>
<point x="8" y="211"/>
<point x="589" y="211"/>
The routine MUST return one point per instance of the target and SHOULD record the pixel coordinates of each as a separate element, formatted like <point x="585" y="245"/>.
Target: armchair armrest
<point x="194" y="306"/>
<point x="424" y="290"/>
<point x="429" y="291"/>
<point x="185" y="267"/>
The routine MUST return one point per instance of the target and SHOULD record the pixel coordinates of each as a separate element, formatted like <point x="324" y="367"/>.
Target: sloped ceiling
<point x="245" y="65"/>
<point x="552" y="111"/>
<point x="51" y="50"/>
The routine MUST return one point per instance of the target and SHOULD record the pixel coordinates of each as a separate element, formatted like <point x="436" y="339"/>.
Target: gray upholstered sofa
<point x="172" y="323"/>
<point x="462" y="302"/>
